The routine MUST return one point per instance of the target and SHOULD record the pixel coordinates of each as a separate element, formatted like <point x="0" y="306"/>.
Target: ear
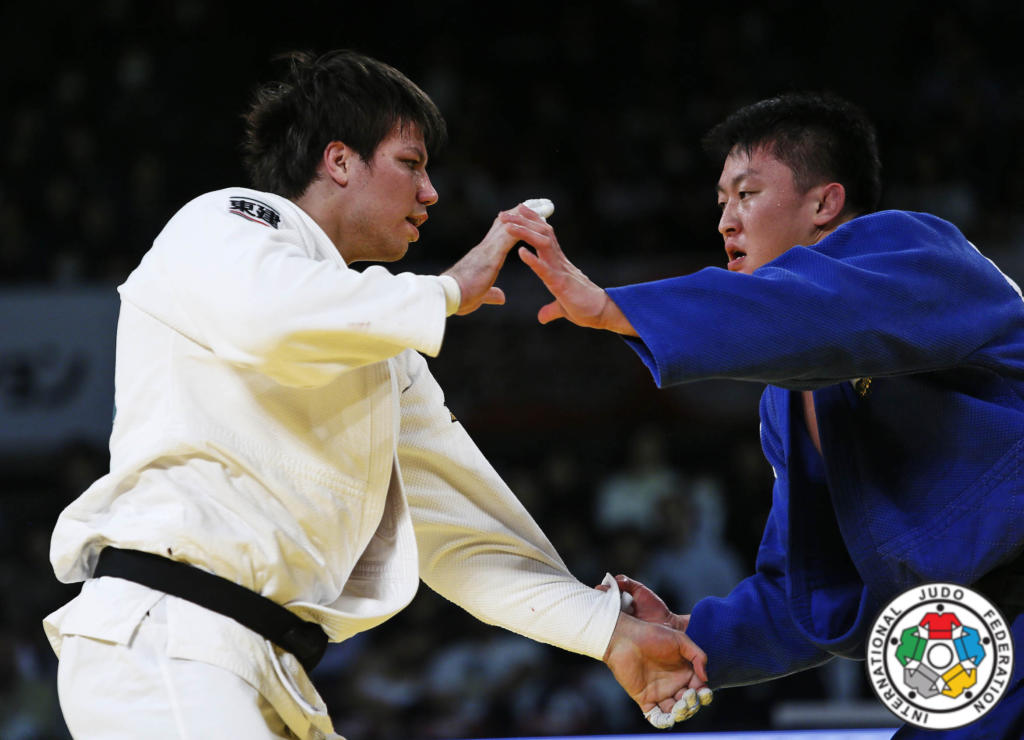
<point x="337" y="162"/>
<point x="831" y="201"/>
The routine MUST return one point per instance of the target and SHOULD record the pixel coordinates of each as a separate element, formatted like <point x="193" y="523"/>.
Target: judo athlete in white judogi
<point x="277" y="427"/>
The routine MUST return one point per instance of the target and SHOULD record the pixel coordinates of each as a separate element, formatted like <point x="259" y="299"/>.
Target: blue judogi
<point x="913" y="345"/>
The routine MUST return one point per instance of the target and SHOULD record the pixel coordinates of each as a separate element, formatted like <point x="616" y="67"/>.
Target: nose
<point x="427" y="195"/>
<point x="728" y="223"/>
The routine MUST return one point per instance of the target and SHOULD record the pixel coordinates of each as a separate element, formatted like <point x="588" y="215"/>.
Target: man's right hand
<point x="577" y="297"/>
<point x="478" y="269"/>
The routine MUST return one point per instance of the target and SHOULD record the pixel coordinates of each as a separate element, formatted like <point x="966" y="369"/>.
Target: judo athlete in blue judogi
<point x="893" y="417"/>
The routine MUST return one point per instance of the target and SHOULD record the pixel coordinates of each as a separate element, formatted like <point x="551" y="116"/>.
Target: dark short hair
<point x="339" y="96"/>
<point x="819" y="136"/>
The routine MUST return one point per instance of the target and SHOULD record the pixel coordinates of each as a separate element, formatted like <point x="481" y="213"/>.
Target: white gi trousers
<point x="126" y="692"/>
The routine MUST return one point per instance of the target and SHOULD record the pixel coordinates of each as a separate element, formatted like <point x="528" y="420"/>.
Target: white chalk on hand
<point x="626" y="602"/>
<point x="541" y="206"/>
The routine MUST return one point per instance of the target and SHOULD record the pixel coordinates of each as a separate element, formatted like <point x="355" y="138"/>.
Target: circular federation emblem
<point x="940" y="656"/>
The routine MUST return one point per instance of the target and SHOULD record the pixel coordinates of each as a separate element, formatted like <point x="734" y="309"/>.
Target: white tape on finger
<point x="661" y="720"/>
<point x="686" y="707"/>
<point x="541" y="206"/>
<point x="705" y="696"/>
<point x="626" y="602"/>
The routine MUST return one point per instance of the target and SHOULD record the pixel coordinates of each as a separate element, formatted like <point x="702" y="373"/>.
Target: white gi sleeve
<point x="478" y="546"/>
<point x="277" y="300"/>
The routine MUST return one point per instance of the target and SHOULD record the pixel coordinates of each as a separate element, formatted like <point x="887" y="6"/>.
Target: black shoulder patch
<point x="253" y="210"/>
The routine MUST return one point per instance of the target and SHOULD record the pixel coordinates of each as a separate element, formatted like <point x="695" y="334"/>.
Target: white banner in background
<point x="56" y="366"/>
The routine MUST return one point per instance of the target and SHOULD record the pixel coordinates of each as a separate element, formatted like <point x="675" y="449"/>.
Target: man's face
<point x="763" y="211"/>
<point x="389" y="198"/>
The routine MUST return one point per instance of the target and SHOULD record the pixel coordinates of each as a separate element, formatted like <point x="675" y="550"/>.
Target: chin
<point x="393" y="255"/>
<point x="381" y="253"/>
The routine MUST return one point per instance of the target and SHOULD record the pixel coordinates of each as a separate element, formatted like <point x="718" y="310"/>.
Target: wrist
<point x="452" y="294"/>
<point x="612" y="319"/>
<point x="622" y="627"/>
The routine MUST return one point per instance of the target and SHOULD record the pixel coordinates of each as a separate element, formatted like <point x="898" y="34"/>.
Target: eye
<point x="744" y="193"/>
<point x="721" y="205"/>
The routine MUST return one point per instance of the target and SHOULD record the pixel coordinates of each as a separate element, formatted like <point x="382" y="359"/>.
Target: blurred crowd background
<point x="115" y="113"/>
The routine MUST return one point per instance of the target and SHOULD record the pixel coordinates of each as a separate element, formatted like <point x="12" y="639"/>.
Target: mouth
<point x="736" y="257"/>
<point x="416" y="222"/>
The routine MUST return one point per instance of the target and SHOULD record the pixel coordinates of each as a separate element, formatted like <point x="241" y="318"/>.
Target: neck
<point x="832" y="225"/>
<point x="320" y="204"/>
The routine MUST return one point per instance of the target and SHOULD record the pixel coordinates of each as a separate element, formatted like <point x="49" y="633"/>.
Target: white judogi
<point x="277" y="425"/>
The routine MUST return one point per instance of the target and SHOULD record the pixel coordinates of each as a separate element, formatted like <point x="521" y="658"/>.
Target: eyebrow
<point x="417" y="150"/>
<point x="737" y="179"/>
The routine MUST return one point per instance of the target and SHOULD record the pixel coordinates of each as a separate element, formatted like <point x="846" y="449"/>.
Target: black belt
<point x="305" y="640"/>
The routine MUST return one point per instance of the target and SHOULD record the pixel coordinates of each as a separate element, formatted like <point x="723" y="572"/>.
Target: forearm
<point x="298" y="320"/>
<point x="478" y="546"/>
<point x="749" y="637"/>
<point x="880" y="302"/>
<point x="480" y="549"/>
<point x="530" y="597"/>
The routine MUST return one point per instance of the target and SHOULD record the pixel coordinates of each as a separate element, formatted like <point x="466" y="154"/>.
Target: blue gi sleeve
<point x="749" y="636"/>
<point x="890" y="293"/>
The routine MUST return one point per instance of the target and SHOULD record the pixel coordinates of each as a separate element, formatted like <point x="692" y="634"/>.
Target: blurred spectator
<point x="633" y="497"/>
<point x="694" y="559"/>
